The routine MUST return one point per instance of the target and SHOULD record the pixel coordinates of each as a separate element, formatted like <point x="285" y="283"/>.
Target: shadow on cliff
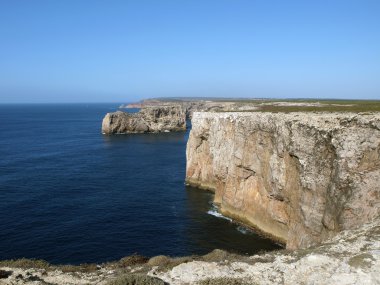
<point x="208" y="232"/>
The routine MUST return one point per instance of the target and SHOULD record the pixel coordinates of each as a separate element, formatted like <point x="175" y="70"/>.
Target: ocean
<point x="69" y="194"/>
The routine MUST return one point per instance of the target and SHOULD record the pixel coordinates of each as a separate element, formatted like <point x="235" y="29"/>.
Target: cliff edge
<point x="299" y="177"/>
<point x="147" y="120"/>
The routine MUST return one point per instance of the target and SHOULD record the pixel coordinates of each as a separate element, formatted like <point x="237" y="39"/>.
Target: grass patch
<point x="25" y="263"/>
<point x="159" y="260"/>
<point x="132" y="260"/>
<point x="217" y="255"/>
<point x="84" y="268"/>
<point x="354" y="108"/>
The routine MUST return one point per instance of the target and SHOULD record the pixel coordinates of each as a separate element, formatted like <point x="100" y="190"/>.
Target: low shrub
<point x="132" y="260"/>
<point x="85" y="268"/>
<point x="159" y="260"/>
<point x="25" y="263"/>
<point x="216" y="255"/>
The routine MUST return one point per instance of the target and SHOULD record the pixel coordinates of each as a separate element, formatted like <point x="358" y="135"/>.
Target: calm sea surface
<point x="68" y="194"/>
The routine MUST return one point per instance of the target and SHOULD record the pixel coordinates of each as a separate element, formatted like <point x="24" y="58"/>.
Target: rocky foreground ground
<point x="351" y="257"/>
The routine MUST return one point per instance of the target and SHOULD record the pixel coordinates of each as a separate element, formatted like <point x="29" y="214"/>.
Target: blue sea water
<point x="69" y="194"/>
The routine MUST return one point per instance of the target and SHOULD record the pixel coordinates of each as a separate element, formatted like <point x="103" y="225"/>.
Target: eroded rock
<point x="299" y="177"/>
<point x="148" y="120"/>
<point x="352" y="257"/>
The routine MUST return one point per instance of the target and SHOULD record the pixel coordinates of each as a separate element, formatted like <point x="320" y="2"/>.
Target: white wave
<point x="215" y="213"/>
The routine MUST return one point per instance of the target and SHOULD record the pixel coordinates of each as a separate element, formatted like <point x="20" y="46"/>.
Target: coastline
<point x="354" y="251"/>
<point x="238" y="219"/>
<point x="352" y="257"/>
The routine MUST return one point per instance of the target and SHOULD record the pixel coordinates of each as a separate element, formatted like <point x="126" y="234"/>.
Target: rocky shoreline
<point x="351" y="257"/>
<point x="309" y="180"/>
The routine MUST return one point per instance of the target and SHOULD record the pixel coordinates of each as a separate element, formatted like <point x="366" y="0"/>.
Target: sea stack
<point x="148" y="120"/>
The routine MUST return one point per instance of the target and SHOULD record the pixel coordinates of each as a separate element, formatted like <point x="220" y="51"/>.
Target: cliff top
<point x="322" y="120"/>
<point x="269" y="105"/>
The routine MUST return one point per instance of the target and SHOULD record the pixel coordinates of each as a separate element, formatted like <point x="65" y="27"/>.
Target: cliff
<point x="148" y="120"/>
<point x="299" y="177"/>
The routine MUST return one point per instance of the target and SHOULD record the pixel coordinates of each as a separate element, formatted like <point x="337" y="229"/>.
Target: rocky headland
<point x="131" y="106"/>
<point x="188" y="105"/>
<point x="307" y="179"/>
<point x="147" y="120"/>
<point x="298" y="177"/>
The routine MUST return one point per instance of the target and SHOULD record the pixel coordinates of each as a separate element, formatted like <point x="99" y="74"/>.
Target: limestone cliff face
<point x="300" y="177"/>
<point x="148" y="120"/>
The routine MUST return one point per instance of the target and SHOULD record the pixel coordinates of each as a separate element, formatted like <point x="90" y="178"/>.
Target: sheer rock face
<point x="148" y="120"/>
<point x="300" y="177"/>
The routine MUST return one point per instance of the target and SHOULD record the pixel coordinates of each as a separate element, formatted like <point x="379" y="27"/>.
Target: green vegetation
<point x="217" y="255"/>
<point x="160" y="260"/>
<point x="165" y="263"/>
<point x="129" y="262"/>
<point x="279" y="105"/>
<point x="85" y="268"/>
<point x="25" y="263"/>
<point x="132" y="260"/>
<point x="133" y="269"/>
<point x="327" y="106"/>
<point x="355" y="106"/>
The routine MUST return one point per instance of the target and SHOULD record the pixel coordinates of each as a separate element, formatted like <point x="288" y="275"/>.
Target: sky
<point x="123" y="51"/>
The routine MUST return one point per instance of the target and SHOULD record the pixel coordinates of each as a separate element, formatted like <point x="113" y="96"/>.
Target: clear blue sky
<point x="93" y="51"/>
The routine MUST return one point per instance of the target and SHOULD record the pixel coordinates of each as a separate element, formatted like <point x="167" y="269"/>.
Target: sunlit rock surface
<point x="299" y="177"/>
<point x="148" y="120"/>
<point x="351" y="257"/>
